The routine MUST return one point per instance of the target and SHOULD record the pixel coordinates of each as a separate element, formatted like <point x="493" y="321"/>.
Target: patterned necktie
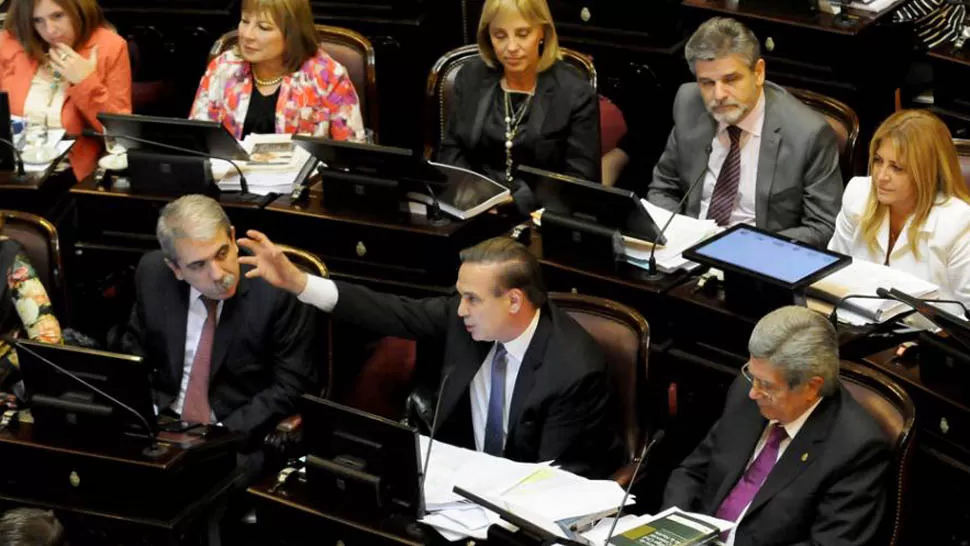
<point x="726" y="187"/>
<point x="749" y="484"/>
<point x="196" y="407"/>
<point x="494" y="429"/>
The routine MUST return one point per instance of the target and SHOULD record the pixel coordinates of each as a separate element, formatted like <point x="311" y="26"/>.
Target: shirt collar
<point x="796" y="425"/>
<point x="518" y="346"/>
<point x="752" y="123"/>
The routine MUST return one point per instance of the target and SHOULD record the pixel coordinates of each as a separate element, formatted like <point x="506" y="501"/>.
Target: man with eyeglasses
<point x="794" y="459"/>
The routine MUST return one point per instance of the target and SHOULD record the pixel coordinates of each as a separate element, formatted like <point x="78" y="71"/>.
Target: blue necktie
<point x="494" y="433"/>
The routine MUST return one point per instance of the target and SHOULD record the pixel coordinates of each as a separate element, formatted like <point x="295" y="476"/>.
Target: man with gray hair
<point x="760" y="156"/>
<point x="223" y="348"/>
<point x="794" y="459"/>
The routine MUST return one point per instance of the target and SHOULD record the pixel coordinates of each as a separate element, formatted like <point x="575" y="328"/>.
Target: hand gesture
<point x="71" y="64"/>
<point x="270" y="264"/>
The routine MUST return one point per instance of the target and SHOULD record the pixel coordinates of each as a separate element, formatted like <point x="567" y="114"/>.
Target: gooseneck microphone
<point x="834" y="317"/>
<point x="434" y="426"/>
<point x="18" y="161"/>
<point x="896" y="295"/>
<point x="657" y="437"/>
<point x="153" y="450"/>
<point x="242" y="178"/>
<point x="652" y="274"/>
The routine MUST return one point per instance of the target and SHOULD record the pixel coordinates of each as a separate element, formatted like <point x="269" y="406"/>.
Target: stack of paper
<point x="862" y="277"/>
<point x="683" y="233"/>
<point x="264" y="175"/>
<point x="538" y="491"/>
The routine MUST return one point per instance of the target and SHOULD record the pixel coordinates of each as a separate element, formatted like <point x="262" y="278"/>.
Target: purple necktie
<point x="726" y="188"/>
<point x="749" y="484"/>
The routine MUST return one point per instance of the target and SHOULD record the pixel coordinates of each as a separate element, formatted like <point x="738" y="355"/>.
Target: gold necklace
<point x="266" y="83"/>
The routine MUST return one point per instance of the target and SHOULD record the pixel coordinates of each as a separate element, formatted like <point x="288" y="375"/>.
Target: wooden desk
<point x="40" y="193"/>
<point x="110" y="493"/>
<point x="858" y="64"/>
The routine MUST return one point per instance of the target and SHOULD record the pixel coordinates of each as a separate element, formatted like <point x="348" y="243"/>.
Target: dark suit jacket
<point x="799" y="185"/>
<point x="262" y="353"/>
<point x="828" y="488"/>
<point x="562" y="125"/>
<point x="560" y="406"/>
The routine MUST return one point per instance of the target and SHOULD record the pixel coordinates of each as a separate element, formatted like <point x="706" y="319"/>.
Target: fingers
<point x="252" y="273"/>
<point x="258" y="236"/>
<point x="249" y="260"/>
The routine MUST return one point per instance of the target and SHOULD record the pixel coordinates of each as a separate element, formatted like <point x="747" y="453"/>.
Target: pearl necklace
<point x="512" y="121"/>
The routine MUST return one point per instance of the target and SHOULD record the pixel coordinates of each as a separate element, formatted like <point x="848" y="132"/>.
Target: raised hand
<point x="71" y="64"/>
<point x="270" y="264"/>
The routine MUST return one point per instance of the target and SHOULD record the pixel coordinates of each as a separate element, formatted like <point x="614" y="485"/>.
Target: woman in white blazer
<point x="913" y="212"/>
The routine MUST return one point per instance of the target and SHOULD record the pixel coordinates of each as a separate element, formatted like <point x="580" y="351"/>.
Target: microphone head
<point x="883" y="293"/>
<point x="228" y="281"/>
<point x="658" y="436"/>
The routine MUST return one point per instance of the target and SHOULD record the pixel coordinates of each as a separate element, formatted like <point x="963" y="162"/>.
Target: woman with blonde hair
<point x="278" y="79"/>
<point x="61" y="65"/>
<point x="913" y="210"/>
<point x="520" y="104"/>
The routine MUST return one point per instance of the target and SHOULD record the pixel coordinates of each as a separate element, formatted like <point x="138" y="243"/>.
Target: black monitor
<point x="6" y="154"/>
<point x="62" y="384"/>
<point x="763" y="270"/>
<point x="205" y="137"/>
<point x="957" y="328"/>
<point x="361" y="461"/>
<point x="368" y="178"/>
<point x="606" y="207"/>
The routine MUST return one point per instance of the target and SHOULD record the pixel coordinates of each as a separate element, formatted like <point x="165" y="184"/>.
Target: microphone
<point x="18" y="161"/>
<point x="657" y="437"/>
<point x="228" y="281"/>
<point x="154" y="450"/>
<point x="652" y="274"/>
<point x="833" y="316"/>
<point x="434" y="209"/>
<point x="434" y="426"/>
<point x="901" y="297"/>
<point x="242" y="178"/>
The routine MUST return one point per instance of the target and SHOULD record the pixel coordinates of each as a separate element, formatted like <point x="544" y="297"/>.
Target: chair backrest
<point x="441" y="84"/>
<point x="843" y="120"/>
<point x="895" y="412"/>
<point x="43" y="248"/>
<point x="349" y="48"/>
<point x="963" y="152"/>
<point x="309" y="262"/>
<point x="624" y="337"/>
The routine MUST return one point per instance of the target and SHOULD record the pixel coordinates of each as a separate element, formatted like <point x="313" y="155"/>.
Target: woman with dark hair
<point x="278" y="79"/>
<point x="61" y="65"/>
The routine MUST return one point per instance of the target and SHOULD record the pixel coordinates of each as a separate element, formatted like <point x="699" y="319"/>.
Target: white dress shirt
<point x="791" y="429"/>
<point x="322" y="294"/>
<point x="45" y="99"/>
<point x="943" y="245"/>
<point x="480" y="388"/>
<point x="751" y="127"/>
<point x="193" y="333"/>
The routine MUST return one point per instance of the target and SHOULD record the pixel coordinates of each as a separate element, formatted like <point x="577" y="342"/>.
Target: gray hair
<point x="194" y="217"/>
<point x="719" y="37"/>
<point x="30" y="527"/>
<point x="801" y="343"/>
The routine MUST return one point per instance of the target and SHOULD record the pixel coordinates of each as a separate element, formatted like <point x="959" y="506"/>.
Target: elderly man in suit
<point x="224" y="348"/>
<point x="521" y="379"/>
<point x="794" y="459"/>
<point x="759" y="155"/>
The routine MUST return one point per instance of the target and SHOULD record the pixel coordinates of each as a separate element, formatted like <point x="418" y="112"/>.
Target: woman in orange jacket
<point x="61" y="64"/>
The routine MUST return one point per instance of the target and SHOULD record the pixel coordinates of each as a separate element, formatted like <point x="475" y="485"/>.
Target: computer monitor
<point x="205" y="137"/>
<point x="86" y="391"/>
<point x="957" y="328"/>
<point x="361" y="461"/>
<point x="6" y="154"/>
<point x="604" y="206"/>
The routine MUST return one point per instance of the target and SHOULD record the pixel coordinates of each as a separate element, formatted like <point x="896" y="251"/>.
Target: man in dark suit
<point x="794" y="459"/>
<point x="223" y="348"/>
<point x="521" y="379"/>
<point x="760" y="156"/>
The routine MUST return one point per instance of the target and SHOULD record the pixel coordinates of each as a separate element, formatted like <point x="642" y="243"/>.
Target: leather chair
<point x="963" y="152"/>
<point x="624" y="337"/>
<point x="441" y="82"/>
<point x="895" y="412"/>
<point x="843" y="120"/>
<point x="347" y="47"/>
<point x="42" y="245"/>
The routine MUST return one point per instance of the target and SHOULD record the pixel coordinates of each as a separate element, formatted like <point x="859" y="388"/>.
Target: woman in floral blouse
<point x="24" y="308"/>
<point x="278" y="79"/>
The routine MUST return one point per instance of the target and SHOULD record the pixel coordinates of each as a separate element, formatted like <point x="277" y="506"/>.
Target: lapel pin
<point x="804" y="457"/>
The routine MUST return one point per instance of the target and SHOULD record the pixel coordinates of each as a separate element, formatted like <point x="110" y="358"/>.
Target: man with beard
<point x="764" y="157"/>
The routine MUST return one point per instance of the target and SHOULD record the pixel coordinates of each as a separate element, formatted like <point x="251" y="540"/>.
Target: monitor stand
<point x="754" y="297"/>
<point x="573" y="241"/>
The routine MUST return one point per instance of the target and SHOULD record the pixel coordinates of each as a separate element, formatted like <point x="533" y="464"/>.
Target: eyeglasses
<point x="770" y="391"/>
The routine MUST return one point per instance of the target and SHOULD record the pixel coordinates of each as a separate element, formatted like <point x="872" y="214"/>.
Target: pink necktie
<point x="756" y="474"/>
<point x="196" y="407"/>
<point x="726" y="188"/>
